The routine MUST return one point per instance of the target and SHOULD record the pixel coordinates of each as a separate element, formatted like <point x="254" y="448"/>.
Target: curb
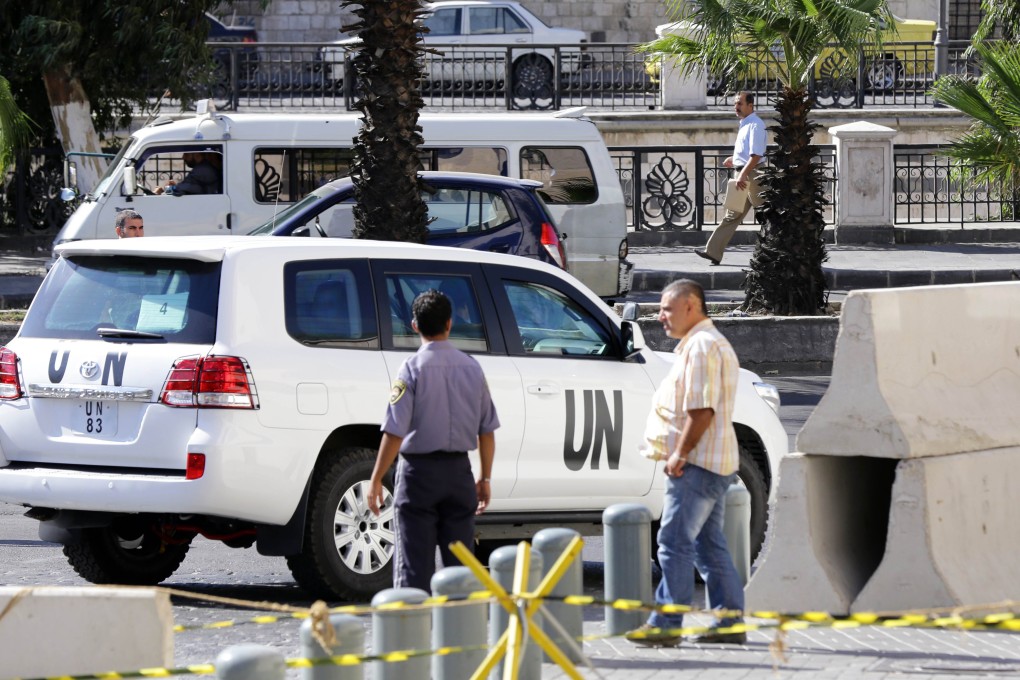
<point x="901" y="236"/>
<point x="653" y="280"/>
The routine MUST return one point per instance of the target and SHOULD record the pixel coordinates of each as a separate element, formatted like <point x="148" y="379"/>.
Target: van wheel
<point x="751" y="477"/>
<point x="126" y="553"/>
<point x="348" y="551"/>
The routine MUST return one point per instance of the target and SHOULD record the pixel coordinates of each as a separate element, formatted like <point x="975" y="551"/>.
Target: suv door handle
<point x="543" y="389"/>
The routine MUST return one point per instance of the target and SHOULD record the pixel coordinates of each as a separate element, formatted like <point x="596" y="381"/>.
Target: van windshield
<point x="112" y="172"/>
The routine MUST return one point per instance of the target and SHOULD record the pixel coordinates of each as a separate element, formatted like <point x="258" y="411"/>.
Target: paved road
<point x="871" y="653"/>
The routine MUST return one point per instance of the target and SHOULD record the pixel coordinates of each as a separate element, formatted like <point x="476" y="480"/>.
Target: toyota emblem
<point x="89" y="369"/>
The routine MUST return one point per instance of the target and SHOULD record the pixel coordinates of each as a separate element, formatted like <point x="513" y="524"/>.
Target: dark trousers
<point x="435" y="503"/>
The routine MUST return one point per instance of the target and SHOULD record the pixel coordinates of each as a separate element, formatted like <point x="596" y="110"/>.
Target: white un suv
<point x="232" y="387"/>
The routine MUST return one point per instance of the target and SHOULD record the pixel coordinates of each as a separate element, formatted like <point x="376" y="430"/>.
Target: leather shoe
<point x="647" y="635"/>
<point x="700" y="252"/>
<point x="713" y="638"/>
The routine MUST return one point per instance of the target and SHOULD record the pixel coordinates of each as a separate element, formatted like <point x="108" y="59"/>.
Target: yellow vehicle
<point x="907" y="53"/>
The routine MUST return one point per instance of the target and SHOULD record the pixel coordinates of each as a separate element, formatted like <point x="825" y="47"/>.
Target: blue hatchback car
<point x="466" y="210"/>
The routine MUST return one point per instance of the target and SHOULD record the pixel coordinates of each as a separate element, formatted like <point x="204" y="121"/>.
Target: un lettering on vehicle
<point x="599" y="424"/>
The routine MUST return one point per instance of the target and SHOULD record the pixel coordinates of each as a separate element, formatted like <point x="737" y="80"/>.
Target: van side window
<point x="566" y="173"/>
<point x="466" y="333"/>
<point x="180" y="170"/>
<point x="460" y="211"/>
<point x="486" y="160"/>
<point x="550" y="323"/>
<point x="328" y="303"/>
<point x="285" y="175"/>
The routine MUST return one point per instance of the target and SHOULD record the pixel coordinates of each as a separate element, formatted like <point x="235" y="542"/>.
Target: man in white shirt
<point x="748" y="151"/>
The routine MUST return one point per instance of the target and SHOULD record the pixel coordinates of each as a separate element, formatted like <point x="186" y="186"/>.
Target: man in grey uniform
<point x="440" y="408"/>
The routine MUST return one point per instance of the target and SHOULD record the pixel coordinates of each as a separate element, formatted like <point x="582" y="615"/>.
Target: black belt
<point x="444" y="455"/>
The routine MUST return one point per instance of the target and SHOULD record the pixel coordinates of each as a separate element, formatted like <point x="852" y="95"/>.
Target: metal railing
<point x="930" y="187"/>
<point x="676" y="188"/>
<point x="277" y="75"/>
<point x="605" y="76"/>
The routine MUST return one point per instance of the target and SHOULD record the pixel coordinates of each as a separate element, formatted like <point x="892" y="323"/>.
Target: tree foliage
<point x="16" y="127"/>
<point x="990" y="149"/>
<point x="714" y="36"/>
<point x="999" y="17"/>
<point x="123" y="53"/>
<point x="388" y="71"/>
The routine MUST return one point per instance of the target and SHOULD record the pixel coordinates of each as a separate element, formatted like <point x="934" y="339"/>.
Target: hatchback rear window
<point x="174" y="299"/>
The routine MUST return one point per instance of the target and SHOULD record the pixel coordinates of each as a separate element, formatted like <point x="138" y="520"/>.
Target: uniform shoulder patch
<point x="398" y="390"/>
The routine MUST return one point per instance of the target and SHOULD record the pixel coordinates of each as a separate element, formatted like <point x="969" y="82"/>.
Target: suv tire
<point x="123" y="556"/>
<point x="359" y="565"/>
<point x="754" y="481"/>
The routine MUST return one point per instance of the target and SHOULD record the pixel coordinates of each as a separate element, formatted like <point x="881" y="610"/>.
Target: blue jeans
<point x="691" y="535"/>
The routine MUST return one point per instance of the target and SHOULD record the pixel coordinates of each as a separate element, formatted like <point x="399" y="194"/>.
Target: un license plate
<point x="96" y="418"/>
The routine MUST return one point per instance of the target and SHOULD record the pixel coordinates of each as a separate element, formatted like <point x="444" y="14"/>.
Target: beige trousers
<point x="724" y="232"/>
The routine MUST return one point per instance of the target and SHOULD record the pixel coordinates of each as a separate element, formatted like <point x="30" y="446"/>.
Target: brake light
<point x="210" y="382"/>
<point x="196" y="466"/>
<point x="248" y="39"/>
<point x="10" y="386"/>
<point x="553" y="245"/>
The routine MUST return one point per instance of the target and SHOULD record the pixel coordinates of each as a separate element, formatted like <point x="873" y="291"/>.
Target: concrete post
<point x="460" y="625"/>
<point x="628" y="558"/>
<point x="679" y="91"/>
<point x="737" y="529"/>
<point x="400" y="629"/>
<point x="551" y="543"/>
<point x="501" y="566"/>
<point x="250" y="662"/>
<point x="865" y="209"/>
<point x="350" y="639"/>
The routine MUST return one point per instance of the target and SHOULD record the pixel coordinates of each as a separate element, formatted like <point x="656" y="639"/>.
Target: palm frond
<point x="16" y="128"/>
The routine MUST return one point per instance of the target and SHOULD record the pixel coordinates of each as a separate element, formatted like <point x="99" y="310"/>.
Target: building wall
<point x="615" y="21"/>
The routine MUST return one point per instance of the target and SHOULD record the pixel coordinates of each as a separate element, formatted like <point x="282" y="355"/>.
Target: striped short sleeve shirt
<point x="704" y="376"/>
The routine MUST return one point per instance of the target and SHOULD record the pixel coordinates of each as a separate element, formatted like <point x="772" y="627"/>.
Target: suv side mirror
<point x="630" y="311"/>
<point x="632" y="338"/>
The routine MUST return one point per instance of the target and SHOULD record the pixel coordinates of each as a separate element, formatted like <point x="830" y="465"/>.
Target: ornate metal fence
<point x="673" y="188"/>
<point x="278" y="75"/>
<point x="931" y="188"/>
<point x="30" y="199"/>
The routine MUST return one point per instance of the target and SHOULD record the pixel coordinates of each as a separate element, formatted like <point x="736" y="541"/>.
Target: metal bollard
<point x="350" y="636"/>
<point x="737" y="527"/>
<point x="458" y="625"/>
<point x="501" y="566"/>
<point x="551" y="543"/>
<point x="627" y="528"/>
<point x="250" y="662"/>
<point x="401" y="629"/>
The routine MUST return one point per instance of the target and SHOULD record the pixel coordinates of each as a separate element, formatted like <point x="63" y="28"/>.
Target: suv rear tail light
<point x="10" y="386"/>
<point x="553" y="245"/>
<point x="210" y="382"/>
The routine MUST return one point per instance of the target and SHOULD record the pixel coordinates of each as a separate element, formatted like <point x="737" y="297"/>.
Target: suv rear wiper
<point x="126" y="333"/>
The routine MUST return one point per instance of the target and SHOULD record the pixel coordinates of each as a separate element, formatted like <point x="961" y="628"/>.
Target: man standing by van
<point x="440" y="408"/>
<point x="128" y="224"/>
<point x="748" y="151"/>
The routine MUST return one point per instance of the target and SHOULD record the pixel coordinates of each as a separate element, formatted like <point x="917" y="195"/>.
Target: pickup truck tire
<point x="348" y="551"/>
<point x="123" y="556"/>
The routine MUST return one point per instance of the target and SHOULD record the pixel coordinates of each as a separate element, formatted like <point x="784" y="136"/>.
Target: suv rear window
<point x="173" y="298"/>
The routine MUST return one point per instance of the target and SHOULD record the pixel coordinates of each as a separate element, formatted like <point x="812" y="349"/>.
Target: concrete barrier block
<point x="55" y="631"/>
<point x="922" y="372"/>
<point x="953" y="534"/>
<point x="828" y="534"/>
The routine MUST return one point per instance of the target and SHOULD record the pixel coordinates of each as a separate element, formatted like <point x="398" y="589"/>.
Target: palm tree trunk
<point x="388" y="72"/>
<point x="786" y="269"/>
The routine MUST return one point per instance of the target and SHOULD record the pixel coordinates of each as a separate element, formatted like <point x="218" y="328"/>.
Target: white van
<point x="270" y="160"/>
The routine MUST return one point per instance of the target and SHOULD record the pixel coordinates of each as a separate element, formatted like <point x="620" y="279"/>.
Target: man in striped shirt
<point x="690" y="428"/>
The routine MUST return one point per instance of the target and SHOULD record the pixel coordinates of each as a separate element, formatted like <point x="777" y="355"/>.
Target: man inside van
<point x="128" y="224"/>
<point x="205" y="176"/>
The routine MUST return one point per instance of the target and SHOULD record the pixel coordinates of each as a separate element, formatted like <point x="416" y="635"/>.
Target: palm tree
<point x="990" y="149"/>
<point x="1001" y="17"/>
<point x="15" y="128"/>
<point x="719" y="36"/>
<point x="387" y="67"/>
